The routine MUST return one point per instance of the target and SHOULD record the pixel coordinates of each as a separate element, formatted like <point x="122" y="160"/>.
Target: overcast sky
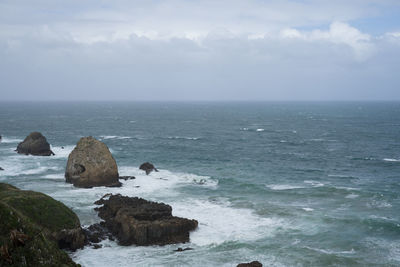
<point x="200" y="50"/>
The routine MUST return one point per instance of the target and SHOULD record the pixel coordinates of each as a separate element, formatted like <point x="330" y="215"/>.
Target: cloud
<point x="195" y="50"/>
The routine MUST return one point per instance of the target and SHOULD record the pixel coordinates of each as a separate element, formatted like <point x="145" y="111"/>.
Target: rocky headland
<point x="35" y="228"/>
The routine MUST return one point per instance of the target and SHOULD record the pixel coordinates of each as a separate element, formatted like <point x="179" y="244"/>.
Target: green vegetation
<point x="27" y="221"/>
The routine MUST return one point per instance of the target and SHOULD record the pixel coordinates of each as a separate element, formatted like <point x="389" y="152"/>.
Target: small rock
<point x="182" y="249"/>
<point x="148" y="167"/>
<point x="1" y="169"/>
<point x="127" y="177"/>
<point x="250" y="264"/>
<point x="96" y="246"/>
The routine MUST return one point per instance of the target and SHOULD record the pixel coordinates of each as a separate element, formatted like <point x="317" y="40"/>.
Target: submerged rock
<point x="33" y="228"/>
<point x="138" y="221"/>
<point x="250" y="264"/>
<point x="182" y="249"/>
<point x="91" y="164"/>
<point x="148" y="167"/>
<point x="35" y="144"/>
<point x="127" y="177"/>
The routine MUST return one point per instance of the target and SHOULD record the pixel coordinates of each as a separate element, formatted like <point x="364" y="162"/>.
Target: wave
<point x="7" y="140"/>
<point x="260" y="130"/>
<point x="105" y="137"/>
<point x="314" y="183"/>
<point x="391" y="160"/>
<point x="330" y="252"/>
<point x="182" y="137"/>
<point x="308" y="209"/>
<point x="283" y="187"/>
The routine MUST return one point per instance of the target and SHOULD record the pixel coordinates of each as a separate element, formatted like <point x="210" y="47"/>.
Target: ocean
<point x="284" y="183"/>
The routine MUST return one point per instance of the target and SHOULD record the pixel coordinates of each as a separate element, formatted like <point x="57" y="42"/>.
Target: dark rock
<point x="148" y="167"/>
<point x="35" y="144"/>
<point x="96" y="233"/>
<point x="138" y="221"/>
<point x="96" y="246"/>
<point x="127" y="177"/>
<point x="1" y="169"/>
<point x="182" y="249"/>
<point x="71" y="239"/>
<point x="91" y="164"/>
<point x="250" y="264"/>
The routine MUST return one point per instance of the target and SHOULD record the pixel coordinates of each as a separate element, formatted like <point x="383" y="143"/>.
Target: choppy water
<point x="288" y="184"/>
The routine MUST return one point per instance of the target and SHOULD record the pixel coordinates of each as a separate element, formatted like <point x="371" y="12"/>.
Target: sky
<point x="191" y="50"/>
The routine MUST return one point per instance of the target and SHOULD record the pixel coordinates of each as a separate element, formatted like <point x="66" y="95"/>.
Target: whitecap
<point x="244" y="129"/>
<point x="391" y="160"/>
<point x="260" y="130"/>
<point x="105" y="137"/>
<point x="351" y="196"/>
<point x="182" y="137"/>
<point x="283" y="187"/>
<point x="308" y="209"/>
<point x="7" y="140"/>
<point x="314" y="183"/>
<point x="327" y="251"/>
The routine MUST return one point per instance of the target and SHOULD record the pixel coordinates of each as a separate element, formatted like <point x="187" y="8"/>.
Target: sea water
<point x="287" y="184"/>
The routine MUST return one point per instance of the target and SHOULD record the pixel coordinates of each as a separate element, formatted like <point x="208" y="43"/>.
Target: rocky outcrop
<point x="35" y="144"/>
<point x="250" y="264"/>
<point x="33" y="228"/>
<point x="138" y="221"/>
<point x="148" y="167"/>
<point x="91" y="164"/>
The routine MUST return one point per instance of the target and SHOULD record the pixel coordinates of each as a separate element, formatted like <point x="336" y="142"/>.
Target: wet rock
<point x="127" y="177"/>
<point x="138" y="221"/>
<point x="1" y="169"/>
<point x="148" y="167"/>
<point x="250" y="264"/>
<point x="35" y="144"/>
<point x="97" y="232"/>
<point x="182" y="249"/>
<point x="91" y="164"/>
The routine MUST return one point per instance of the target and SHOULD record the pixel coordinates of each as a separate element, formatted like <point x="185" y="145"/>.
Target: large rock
<point x="33" y="228"/>
<point x="91" y="164"/>
<point x="138" y="221"/>
<point x="35" y="144"/>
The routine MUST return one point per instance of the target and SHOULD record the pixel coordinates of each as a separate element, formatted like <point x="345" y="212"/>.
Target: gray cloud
<point x="189" y="50"/>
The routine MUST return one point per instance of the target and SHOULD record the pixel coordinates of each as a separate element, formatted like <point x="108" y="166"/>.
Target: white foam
<point x="327" y="251"/>
<point x="308" y="209"/>
<point x="55" y="176"/>
<point x="351" y="196"/>
<point x="260" y="130"/>
<point x="283" y="187"/>
<point x="392" y="160"/>
<point x="41" y="169"/>
<point x="105" y="137"/>
<point x="182" y="137"/>
<point x="244" y="129"/>
<point x="314" y="183"/>
<point x="61" y="152"/>
<point x="7" y="140"/>
<point x="218" y="222"/>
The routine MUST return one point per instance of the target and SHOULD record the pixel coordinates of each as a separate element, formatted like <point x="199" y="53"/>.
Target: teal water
<point x="288" y="184"/>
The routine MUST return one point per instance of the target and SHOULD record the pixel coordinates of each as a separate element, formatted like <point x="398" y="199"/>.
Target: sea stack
<point x="91" y="164"/>
<point x="35" y="144"/>
<point x="141" y="222"/>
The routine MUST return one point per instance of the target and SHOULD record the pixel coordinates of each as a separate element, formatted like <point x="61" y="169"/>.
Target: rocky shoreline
<point x="30" y="230"/>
